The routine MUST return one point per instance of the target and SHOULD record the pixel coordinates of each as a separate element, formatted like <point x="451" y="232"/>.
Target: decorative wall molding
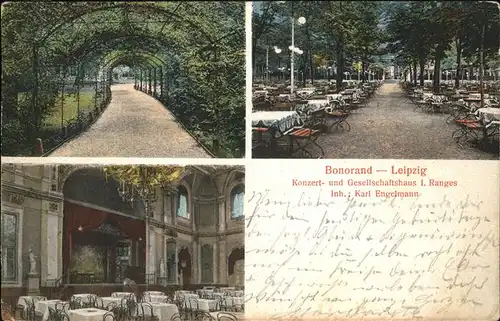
<point x="16" y="198"/>
<point x="30" y="192"/>
<point x="53" y="207"/>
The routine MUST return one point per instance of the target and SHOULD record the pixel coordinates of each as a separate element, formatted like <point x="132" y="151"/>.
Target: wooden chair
<point x="175" y="317"/>
<point x="108" y="316"/>
<point x="204" y="316"/>
<point x="469" y="130"/>
<point x="304" y="138"/>
<point x="226" y="316"/>
<point x="147" y="313"/>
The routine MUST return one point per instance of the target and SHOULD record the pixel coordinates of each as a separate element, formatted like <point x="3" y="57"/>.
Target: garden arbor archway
<point x="85" y="40"/>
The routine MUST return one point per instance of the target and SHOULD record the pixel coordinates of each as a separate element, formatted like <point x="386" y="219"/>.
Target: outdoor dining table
<point x="312" y="106"/>
<point x="233" y="300"/>
<point x="206" y="305"/>
<point x="109" y="299"/>
<point x="153" y="293"/>
<point x="121" y="294"/>
<point x="163" y="311"/>
<point x="83" y="296"/>
<point x="21" y="301"/>
<point x="260" y="93"/>
<point x="472" y="102"/>
<point x="489" y="114"/>
<point x="43" y="307"/>
<point x="157" y="298"/>
<point x="279" y="121"/>
<point x="334" y="96"/>
<point x="305" y="91"/>
<point x="87" y="314"/>
<point x="238" y="315"/>
<point x="187" y="295"/>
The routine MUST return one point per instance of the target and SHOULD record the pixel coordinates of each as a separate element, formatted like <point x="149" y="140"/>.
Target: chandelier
<point x="140" y="182"/>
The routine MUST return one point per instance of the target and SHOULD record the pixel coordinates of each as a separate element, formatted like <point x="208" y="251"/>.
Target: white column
<point x="292" y="57"/>
<point x="195" y="262"/>
<point x="151" y="248"/>
<point x="53" y="250"/>
<point x="173" y="199"/>
<point x="222" y="214"/>
<point x="198" y="276"/>
<point x="215" y="265"/>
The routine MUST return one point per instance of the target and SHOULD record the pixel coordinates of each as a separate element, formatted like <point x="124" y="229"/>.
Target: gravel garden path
<point x="389" y="128"/>
<point x="133" y="125"/>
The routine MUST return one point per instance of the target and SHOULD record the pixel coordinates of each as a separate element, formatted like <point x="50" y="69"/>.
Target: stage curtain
<point x="76" y="216"/>
<point x="134" y="228"/>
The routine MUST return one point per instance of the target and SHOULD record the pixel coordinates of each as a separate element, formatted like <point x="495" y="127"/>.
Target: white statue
<point x="181" y="278"/>
<point x="32" y="258"/>
<point x="162" y="268"/>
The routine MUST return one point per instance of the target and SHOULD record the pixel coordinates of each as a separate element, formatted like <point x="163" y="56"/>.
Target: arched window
<point x="182" y="202"/>
<point x="237" y="201"/>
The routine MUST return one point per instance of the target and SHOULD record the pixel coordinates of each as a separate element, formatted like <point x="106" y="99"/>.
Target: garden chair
<point x="305" y="139"/>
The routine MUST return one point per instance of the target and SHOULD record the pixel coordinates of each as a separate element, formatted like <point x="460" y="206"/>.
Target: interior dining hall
<point x="129" y="242"/>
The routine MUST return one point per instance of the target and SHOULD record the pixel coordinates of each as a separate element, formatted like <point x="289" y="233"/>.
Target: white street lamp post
<point x="301" y="21"/>
<point x="267" y="64"/>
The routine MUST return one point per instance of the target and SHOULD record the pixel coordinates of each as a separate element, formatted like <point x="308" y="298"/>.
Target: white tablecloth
<point x="206" y="305"/>
<point x="84" y="297"/>
<point x="156" y="298"/>
<point x="313" y="105"/>
<point x="186" y="296"/>
<point x="334" y="97"/>
<point x="235" y="293"/>
<point x="489" y="114"/>
<point x="108" y="299"/>
<point x="43" y="307"/>
<point x="281" y="121"/>
<point x="231" y="288"/>
<point x="258" y="93"/>
<point x="22" y="299"/>
<point x="121" y="294"/>
<point x="86" y="314"/>
<point x="153" y="293"/>
<point x="164" y="311"/>
<point x="233" y="300"/>
<point x="305" y="91"/>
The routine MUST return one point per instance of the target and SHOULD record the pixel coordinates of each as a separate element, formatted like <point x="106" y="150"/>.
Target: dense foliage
<point x="371" y="35"/>
<point x="338" y="34"/>
<point x="46" y="45"/>
<point x="434" y="31"/>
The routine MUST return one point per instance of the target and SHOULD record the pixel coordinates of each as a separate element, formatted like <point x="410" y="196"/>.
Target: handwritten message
<point x="310" y="255"/>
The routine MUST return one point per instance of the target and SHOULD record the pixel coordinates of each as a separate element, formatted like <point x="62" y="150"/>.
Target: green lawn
<point x="70" y="110"/>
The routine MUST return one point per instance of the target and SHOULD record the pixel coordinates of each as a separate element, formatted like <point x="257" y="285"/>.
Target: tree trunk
<point x="437" y="69"/>
<point x="411" y="75"/>
<point x="459" y="63"/>
<point x="422" y="69"/>
<point x="363" y="71"/>
<point x="415" y="73"/>
<point x="254" y="66"/>
<point x="303" y="68"/>
<point x="311" y="68"/>
<point x="340" y="64"/>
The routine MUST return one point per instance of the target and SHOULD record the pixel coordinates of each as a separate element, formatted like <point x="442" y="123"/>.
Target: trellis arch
<point x="189" y="53"/>
<point x="148" y="9"/>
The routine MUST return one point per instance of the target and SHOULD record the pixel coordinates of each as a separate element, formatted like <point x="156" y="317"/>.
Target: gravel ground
<point x="133" y="125"/>
<point x="389" y="128"/>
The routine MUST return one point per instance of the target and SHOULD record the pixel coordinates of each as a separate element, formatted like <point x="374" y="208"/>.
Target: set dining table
<point x="88" y="314"/>
<point x="280" y="122"/>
